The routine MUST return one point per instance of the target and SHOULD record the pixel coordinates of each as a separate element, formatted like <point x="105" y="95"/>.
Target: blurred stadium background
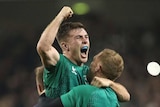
<point x="131" y="27"/>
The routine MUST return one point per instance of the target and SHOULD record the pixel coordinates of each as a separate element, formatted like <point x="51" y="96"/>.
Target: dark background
<point x="131" y="27"/>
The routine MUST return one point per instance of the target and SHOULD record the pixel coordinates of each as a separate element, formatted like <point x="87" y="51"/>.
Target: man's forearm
<point x="121" y="91"/>
<point x="49" y="34"/>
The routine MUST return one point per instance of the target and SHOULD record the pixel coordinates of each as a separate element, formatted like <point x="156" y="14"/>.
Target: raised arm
<point x="122" y="93"/>
<point x="49" y="55"/>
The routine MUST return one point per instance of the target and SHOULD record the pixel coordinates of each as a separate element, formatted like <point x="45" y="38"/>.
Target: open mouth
<point x="84" y="51"/>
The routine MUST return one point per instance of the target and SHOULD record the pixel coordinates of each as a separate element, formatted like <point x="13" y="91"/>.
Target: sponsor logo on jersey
<point x="74" y="70"/>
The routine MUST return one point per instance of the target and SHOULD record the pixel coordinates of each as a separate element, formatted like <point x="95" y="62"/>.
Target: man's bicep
<point x="122" y="93"/>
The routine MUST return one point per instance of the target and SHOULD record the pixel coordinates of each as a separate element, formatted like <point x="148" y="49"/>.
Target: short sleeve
<point x="68" y="99"/>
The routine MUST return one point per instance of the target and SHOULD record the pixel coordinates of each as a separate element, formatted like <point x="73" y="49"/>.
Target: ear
<point x="98" y="67"/>
<point x="64" y="46"/>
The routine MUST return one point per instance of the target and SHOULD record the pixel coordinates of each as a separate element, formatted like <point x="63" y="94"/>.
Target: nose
<point x="85" y="40"/>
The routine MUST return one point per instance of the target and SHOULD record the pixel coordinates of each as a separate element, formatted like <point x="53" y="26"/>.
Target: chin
<point x="84" y="60"/>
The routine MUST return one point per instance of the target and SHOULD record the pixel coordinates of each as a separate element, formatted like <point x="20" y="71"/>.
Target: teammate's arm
<point x="122" y="93"/>
<point x="39" y="79"/>
<point x="48" y="54"/>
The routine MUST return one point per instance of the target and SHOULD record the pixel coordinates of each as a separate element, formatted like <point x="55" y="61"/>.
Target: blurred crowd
<point x="137" y="44"/>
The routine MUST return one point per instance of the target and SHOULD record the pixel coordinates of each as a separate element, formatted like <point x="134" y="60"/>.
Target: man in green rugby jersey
<point x="64" y="71"/>
<point x="107" y="64"/>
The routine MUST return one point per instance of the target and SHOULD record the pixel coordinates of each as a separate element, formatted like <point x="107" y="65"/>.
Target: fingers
<point x="96" y="82"/>
<point x="70" y="14"/>
<point x="101" y="82"/>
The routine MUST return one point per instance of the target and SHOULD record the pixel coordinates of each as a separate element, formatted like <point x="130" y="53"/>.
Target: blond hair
<point x="112" y="64"/>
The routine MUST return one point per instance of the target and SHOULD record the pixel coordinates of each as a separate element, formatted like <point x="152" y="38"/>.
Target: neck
<point x="72" y="60"/>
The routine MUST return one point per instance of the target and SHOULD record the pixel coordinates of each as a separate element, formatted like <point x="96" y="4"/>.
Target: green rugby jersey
<point x="90" y="96"/>
<point x="63" y="77"/>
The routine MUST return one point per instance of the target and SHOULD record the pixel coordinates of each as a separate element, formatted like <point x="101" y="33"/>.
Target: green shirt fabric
<point x="90" y="96"/>
<point x="63" y="77"/>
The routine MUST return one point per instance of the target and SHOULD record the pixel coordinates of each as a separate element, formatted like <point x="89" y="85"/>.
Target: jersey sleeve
<point x="68" y="99"/>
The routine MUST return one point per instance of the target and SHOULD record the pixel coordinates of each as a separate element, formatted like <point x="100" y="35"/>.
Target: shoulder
<point x="105" y="93"/>
<point x="84" y="89"/>
<point x="81" y="87"/>
<point x="62" y="60"/>
<point x="111" y="92"/>
<point x="79" y="92"/>
<point x="62" y="56"/>
<point x="103" y="97"/>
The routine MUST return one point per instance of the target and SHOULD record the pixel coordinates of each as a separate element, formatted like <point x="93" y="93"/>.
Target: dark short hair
<point x="66" y="27"/>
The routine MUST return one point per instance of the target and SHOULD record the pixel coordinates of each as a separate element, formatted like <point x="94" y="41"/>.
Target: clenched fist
<point x="66" y="12"/>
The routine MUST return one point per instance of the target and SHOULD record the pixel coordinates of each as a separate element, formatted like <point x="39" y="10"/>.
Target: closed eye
<point x="86" y="36"/>
<point x="79" y="36"/>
